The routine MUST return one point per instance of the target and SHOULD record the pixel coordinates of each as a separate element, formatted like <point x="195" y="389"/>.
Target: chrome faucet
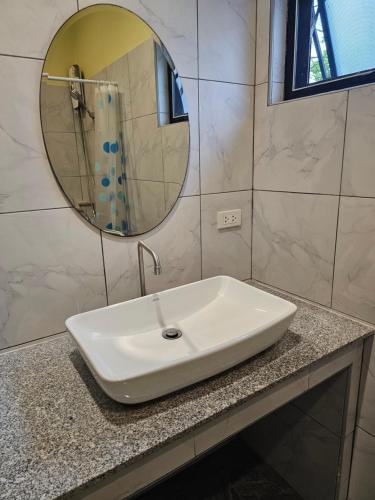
<point x="157" y="266"/>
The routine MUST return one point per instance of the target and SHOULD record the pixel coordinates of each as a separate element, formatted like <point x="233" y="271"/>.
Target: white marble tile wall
<point x="26" y="180"/>
<point x="354" y="284"/>
<point x="51" y="260"/>
<point x="294" y="242"/>
<point x="226" y="251"/>
<point x="51" y="267"/>
<point x="227" y="40"/>
<point x="358" y="177"/>
<point x="27" y="28"/>
<point x="298" y="145"/>
<point x="225" y="136"/>
<point x="319" y="148"/>
<point x="314" y="210"/>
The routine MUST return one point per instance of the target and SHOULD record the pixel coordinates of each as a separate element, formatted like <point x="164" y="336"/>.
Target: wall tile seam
<point x="251" y="85"/>
<point x="339" y="204"/>
<point x="15" y="56"/>
<point x="30" y="343"/>
<point x="47" y="209"/>
<point x="103" y="264"/>
<point x="197" y="78"/>
<point x="248" y="190"/>
<point x="337" y="195"/>
<point x="253" y="142"/>
<point x="199" y="150"/>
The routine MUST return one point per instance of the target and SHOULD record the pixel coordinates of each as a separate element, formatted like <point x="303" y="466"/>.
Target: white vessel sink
<point x="223" y="322"/>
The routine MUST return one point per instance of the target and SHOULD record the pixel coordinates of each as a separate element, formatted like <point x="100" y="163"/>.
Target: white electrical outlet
<point x="229" y="218"/>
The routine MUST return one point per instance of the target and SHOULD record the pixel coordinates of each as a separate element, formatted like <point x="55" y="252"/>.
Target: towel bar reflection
<point x="78" y="80"/>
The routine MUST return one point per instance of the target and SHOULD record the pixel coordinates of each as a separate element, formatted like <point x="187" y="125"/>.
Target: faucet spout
<point x="157" y="266"/>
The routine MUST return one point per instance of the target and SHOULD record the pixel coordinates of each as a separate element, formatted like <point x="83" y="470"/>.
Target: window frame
<point x="171" y="87"/>
<point x="297" y="56"/>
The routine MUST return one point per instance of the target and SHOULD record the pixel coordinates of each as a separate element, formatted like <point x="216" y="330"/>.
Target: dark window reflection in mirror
<point x="178" y="112"/>
<point x="114" y="120"/>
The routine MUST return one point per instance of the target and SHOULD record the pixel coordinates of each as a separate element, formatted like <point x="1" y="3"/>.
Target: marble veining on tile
<point x="35" y="24"/>
<point x="26" y="180"/>
<point x="42" y="279"/>
<point x="354" y="285"/>
<point x="179" y="235"/>
<point x="226" y="251"/>
<point x="72" y="433"/>
<point x="225" y="136"/>
<point x="227" y="32"/>
<point x="298" y="145"/>
<point x="294" y="242"/>
<point x="358" y="172"/>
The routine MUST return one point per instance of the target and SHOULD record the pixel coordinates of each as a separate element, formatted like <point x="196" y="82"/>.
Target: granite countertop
<point x="59" y="431"/>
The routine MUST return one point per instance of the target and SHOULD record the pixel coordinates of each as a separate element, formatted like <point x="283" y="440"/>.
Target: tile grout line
<point x="104" y="270"/>
<point x="199" y="146"/>
<point x="30" y="343"/>
<point x="23" y="57"/>
<point x="339" y="197"/>
<point x="253" y="155"/>
<point x="35" y="210"/>
<point x="216" y="81"/>
<point x="313" y="193"/>
<point x="223" y="192"/>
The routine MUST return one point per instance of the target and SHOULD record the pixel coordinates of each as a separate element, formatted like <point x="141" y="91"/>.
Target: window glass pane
<point x="178" y="98"/>
<point x="352" y="30"/>
<point x="319" y="64"/>
<point x="331" y="39"/>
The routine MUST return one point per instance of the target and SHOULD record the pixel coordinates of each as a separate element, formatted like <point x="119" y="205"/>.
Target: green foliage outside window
<point x="315" y="72"/>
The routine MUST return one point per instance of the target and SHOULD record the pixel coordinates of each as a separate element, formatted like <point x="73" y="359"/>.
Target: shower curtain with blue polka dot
<point x="110" y="188"/>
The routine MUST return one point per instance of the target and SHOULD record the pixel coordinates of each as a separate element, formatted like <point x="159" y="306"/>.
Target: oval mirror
<point x="114" y="120"/>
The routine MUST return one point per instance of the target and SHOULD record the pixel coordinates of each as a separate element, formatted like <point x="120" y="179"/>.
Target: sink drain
<point x="171" y="333"/>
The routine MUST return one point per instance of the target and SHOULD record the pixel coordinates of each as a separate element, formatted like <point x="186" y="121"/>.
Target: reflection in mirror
<point x="114" y="120"/>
